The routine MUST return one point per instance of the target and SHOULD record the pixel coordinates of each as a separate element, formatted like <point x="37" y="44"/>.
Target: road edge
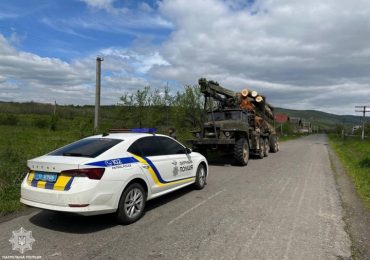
<point x="356" y="215"/>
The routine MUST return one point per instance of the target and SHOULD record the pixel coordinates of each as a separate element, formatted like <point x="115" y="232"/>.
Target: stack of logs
<point x="252" y="101"/>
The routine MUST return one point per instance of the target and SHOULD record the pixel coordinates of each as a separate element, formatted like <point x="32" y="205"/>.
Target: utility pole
<point x="97" y="92"/>
<point x="364" y="110"/>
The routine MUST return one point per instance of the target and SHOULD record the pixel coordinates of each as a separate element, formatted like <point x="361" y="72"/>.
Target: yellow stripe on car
<point x="154" y="176"/>
<point x="41" y="184"/>
<point x="31" y="175"/>
<point x="62" y="181"/>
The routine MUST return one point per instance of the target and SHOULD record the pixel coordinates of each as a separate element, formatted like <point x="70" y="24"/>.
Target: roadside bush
<point x="53" y="123"/>
<point x="365" y="163"/>
<point x="85" y="127"/>
<point x="41" y="123"/>
<point x="9" y="120"/>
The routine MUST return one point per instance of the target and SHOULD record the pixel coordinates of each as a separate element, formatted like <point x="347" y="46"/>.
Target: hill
<point x="322" y="119"/>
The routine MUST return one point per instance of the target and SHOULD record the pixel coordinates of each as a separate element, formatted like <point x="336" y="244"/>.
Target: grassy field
<point x="17" y="144"/>
<point x="355" y="156"/>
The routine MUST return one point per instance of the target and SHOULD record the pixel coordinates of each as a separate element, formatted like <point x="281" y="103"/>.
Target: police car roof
<point x="124" y="136"/>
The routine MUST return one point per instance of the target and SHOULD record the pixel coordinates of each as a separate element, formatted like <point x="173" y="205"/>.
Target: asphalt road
<point x="285" y="206"/>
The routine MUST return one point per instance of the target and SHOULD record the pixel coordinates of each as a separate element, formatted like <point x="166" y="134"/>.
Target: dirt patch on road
<point x="357" y="216"/>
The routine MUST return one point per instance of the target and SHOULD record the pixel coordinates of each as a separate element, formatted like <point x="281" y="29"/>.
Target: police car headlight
<point x="227" y="134"/>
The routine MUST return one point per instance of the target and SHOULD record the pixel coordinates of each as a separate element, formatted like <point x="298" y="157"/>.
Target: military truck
<point x="238" y="124"/>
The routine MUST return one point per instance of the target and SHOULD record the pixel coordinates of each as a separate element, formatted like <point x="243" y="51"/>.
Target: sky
<point x="299" y="54"/>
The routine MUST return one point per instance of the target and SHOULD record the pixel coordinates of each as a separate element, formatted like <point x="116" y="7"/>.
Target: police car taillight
<point x="91" y="173"/>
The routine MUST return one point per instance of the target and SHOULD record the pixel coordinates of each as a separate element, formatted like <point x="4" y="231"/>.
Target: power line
<point x="364" y="110"/>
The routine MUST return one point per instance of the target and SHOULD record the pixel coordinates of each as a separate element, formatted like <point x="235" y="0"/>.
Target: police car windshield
<point x="225" y="115"/>
<point x="90" y="147"/>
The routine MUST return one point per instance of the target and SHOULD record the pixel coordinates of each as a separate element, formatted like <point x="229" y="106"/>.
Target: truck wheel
<point x="266" y="147"/>
<point x="261" y="151"/>
<point x="241" y="152"/>
<point x="201" y="177"/>
<point x="131" y="205"/>
<point x="274" y="146"/>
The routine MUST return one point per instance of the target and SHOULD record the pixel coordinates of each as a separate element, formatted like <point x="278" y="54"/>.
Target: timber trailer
<point x="238" y="124"/>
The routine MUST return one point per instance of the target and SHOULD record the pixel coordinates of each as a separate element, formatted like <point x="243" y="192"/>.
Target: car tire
<point x="132" y="204"/>
<point x="201" y="177"/>
<point x="274" y="146"/>
<point x="241" y="152"/>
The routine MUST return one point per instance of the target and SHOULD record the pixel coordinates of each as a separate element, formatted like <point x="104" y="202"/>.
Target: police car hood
<point x="53" y="163"/>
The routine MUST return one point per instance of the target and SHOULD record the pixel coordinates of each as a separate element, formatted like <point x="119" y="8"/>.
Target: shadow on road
<point x="163" y="200"/>
<point x="226" y="160"/>
<point x="72" y="223"/>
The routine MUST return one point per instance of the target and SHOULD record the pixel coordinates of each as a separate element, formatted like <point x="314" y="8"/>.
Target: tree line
<point x="162" y="109"/>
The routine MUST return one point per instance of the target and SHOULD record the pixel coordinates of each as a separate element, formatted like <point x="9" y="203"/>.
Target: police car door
<point x="161" y="159"/>
<point x="176" y="163"/>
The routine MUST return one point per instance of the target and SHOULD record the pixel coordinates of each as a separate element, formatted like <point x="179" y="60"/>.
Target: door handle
<point x="145" y="166"/>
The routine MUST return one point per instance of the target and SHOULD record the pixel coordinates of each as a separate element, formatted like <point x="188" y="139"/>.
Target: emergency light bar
<point x="134" y="130"/>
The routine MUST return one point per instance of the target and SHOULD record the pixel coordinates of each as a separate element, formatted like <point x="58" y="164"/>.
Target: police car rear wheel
<point x="132" y="204"/>
<point x="201" y="177"/>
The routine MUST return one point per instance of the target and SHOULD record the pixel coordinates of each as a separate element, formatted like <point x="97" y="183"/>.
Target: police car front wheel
<point x="132" y="204"/>
<point x="201" y="177"/>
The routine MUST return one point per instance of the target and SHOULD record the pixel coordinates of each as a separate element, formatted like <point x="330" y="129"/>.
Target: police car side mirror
<point x="188" y="150"/>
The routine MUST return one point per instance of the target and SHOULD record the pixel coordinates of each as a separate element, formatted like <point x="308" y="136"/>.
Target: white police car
<point x="117" y="172"/>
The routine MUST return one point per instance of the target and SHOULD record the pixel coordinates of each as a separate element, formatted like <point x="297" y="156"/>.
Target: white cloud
<point x="26" y="76"/>
<point x="300" y="54"/>
<point x="101" y="4"/>
<point x="293" y="49"/>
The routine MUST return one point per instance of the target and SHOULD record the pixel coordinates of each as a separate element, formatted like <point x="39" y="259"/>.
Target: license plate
<point x="48" y="177"/>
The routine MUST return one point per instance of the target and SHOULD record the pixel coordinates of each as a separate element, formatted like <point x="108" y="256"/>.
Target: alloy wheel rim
<point x="133" y="203"/>
<point x="202" y="176"/>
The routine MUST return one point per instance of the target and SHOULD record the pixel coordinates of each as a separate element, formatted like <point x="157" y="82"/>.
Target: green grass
<point x="355" y="156"/>
<point x="17" y="145"/>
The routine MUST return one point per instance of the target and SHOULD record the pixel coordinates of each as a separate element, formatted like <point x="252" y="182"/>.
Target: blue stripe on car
<point x="114" y="162"/>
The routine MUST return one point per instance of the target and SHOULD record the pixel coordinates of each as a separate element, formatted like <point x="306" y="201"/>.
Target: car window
<point x="146" y="146"/>
<point x="90" y="147"/>
<point x="170" y="146"/>
<point x="135" y="149"/>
